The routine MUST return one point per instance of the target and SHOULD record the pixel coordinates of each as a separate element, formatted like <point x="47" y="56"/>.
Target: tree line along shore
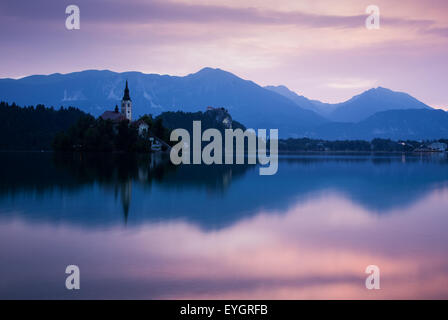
<point x="36" y="128"/>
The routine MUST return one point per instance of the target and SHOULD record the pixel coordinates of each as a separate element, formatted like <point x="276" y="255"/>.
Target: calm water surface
<point x="140" y="228"/>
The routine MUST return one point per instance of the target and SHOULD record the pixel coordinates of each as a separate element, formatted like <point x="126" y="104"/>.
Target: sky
<point x="319" y="48"/>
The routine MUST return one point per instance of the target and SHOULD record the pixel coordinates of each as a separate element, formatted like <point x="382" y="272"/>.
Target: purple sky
<point x="318" y="48"/>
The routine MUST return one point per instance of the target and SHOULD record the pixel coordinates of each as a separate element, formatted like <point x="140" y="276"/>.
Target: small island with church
<point x="116" y="131"/>
<point x="142" y="125"/>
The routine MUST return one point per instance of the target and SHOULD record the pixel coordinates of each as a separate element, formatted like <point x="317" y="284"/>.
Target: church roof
<point x="126" y="96"/>
<point x="113" y="116"/>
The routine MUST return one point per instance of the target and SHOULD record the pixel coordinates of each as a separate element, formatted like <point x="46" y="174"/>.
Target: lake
<point x="141" y="228"/>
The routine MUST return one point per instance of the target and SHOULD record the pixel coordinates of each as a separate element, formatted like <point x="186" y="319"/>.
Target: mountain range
<point x="358" y="108"/>
<point x="377" y="112"/>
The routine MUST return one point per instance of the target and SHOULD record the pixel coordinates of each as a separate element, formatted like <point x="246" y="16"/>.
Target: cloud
<point x="138" y="12"/>
<point x="302" y="44"/>
<point x="437" y="31"/>
<point x="351" y="84"/>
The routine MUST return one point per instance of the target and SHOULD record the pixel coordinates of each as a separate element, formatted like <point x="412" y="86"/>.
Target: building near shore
<point x="438" y="146"/>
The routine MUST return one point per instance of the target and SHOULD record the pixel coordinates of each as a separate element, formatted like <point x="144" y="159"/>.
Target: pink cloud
<point x="304" y="45"/>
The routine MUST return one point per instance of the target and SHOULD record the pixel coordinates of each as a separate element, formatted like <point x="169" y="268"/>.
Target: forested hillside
<point x="33" y="128"/>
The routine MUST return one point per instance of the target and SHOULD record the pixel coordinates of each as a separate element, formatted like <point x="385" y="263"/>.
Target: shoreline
<point x="297" y="152"/>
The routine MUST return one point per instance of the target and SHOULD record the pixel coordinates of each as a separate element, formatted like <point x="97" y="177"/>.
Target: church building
<point x="125" y="112"/>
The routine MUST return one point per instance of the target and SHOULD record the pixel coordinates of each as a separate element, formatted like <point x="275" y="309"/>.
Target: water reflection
<point x="95" y="189"/>
<point x="141" y="228"/>
<point x="105" y="190"/>
<point x="317" y="249"/>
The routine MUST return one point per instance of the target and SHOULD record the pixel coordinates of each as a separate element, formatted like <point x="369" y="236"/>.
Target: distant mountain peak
<point x="319" y="107"/>
<point x="379" y="90"/>
<point x="281" y="86"/>
<point x="209" y="69"/>
<point x="282" y="89"/>
<point x="213" y="74"/>
<point x="358" y="107"/>
<point x="375" y="100"/>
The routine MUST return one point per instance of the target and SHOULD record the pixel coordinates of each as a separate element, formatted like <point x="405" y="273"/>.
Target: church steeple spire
<point x="126" y="96"/>
<point x="126" y="103"/>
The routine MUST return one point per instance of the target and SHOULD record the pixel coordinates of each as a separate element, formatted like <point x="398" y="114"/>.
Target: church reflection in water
<point x="92" y="189"/>
<point x="140" y="227"/>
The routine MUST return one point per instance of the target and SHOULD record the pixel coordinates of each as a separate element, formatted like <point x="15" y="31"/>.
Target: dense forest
<point x="90" y="134"/>
<point x="33" y="128"/>
<point x="98" y="135"/>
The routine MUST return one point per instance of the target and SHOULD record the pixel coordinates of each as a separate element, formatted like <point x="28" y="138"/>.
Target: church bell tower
<point x="126" y="104"/>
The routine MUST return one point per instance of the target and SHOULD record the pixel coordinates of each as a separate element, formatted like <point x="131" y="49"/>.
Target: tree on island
<point x="90" y="134"/>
